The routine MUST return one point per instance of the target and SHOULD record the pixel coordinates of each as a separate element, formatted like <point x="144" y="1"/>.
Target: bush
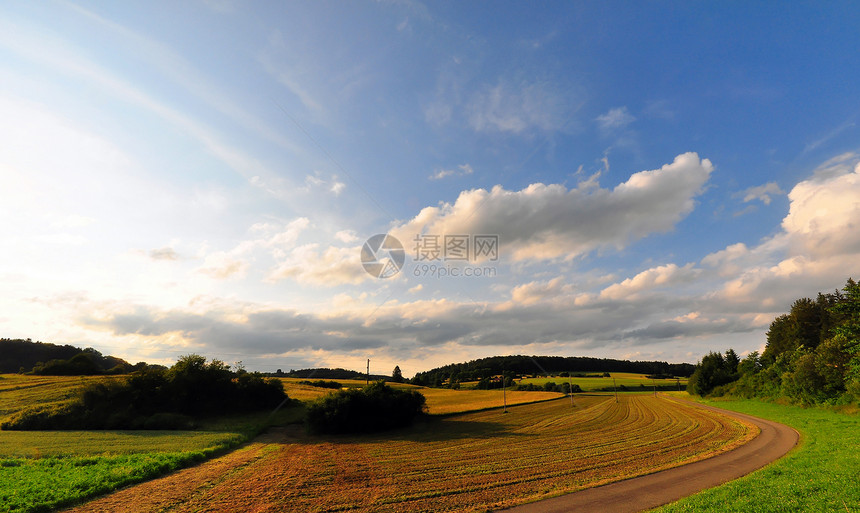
<point x="376" y="407"/>
<point x="322" y="384"/>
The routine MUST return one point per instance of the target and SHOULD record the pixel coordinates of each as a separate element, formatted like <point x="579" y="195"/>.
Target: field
<point x="440" y="401"/>
<point x="628" y="380"/>
<point x="822" y="474"/>
<point x="466" y="462"/>
<point x="43" y="469"/>
<point x="459" y="461"/>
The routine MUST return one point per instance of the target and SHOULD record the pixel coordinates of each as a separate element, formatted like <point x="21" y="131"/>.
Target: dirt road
<point x="646" y="492"/>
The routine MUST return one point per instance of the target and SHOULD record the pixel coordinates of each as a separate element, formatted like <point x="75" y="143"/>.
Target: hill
<point x="17" y="354"/>
<point x="538" y="365"/>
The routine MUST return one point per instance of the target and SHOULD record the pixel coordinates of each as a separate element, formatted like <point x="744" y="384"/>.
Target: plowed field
<point x="469" y="462"/>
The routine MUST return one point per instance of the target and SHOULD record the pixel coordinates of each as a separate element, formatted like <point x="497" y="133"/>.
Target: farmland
<point x="42" y="469"/>
<point x="440" y="401"/>
<point x="628" y="380"/>
<point x="466" y="462"/>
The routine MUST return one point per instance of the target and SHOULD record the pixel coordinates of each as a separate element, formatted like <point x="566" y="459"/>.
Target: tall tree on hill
<point x="397" y="376"/>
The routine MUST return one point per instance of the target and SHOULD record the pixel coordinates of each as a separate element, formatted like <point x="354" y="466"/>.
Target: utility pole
<point x="654" y="382"/>
<point x="367" y="378"/>
<point x="615" y="389"/>
<point x="570" y="389"/>
<point x="504" y="395"/>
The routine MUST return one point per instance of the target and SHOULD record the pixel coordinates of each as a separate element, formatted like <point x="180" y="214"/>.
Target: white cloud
<point x="658" y="277"/>
<point x="329" y="267"/>
<point x="534" y="292"/>
<point x="346" y="236"/>
<point x="462" y="170"/>
<point x="508" y="107"/>
<point x="616" y="118"/>
<point x="222" y="265"/>
<point x="761" y="193"/>
<point x="551" y="221"/>
<point x="165" y="253"/>
<point x="817" y="249"/>
<point x="317" y="181"/>
<point x="824" y="216"/>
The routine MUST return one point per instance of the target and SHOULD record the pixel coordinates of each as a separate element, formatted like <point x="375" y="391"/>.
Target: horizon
<point x="607" y="180"/>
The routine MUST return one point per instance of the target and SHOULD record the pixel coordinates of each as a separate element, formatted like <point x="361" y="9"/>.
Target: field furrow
<point x="472" y="462"/>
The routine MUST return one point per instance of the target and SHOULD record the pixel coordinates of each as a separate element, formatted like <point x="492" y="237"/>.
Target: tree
<point x="397" y="376"/>
<point x="714" y="370"/>
<point x="732" y="360"/>
<point x="806" y="319"/>
<point x="779" y="338"/>
<point x="375" y="407"/>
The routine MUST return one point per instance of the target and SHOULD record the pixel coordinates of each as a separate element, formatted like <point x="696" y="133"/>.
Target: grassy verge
<point x="822" y="474"/>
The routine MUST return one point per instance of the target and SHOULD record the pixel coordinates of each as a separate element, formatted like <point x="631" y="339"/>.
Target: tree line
<point x="159" y="398"/>
<point x="23" y="356"/>
<point x="812" y="355"/>
<point x="485" y="369"/>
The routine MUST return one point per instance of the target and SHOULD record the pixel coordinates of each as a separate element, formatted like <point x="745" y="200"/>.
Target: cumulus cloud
<point x="824" y="216"/>
<point x="329" y="266"/>
<point x="551" y="221"/>
<point x="819" y="243"/>
<point x="657" y="277"/>
<point x="346" y="236"/>
<point x="533" y="292"/>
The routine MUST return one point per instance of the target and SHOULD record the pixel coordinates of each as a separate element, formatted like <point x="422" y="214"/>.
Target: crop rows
<point x="481" y="460"/>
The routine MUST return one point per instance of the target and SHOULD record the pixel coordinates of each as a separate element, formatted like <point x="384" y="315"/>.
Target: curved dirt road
<point x="652" y="490"/>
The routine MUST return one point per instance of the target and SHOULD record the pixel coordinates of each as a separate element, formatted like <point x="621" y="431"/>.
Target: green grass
<point x="43" y="484"/>
<point x="822" y="474"/>
<point x="44" y="470"/>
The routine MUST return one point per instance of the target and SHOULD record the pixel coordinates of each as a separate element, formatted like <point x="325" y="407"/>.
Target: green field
<point x="822" y="474"/>
<point x="628" y="380"/>
<point x="41" y="470"/>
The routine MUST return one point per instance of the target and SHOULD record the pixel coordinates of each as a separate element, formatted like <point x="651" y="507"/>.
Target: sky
<point x="636" y="180"/>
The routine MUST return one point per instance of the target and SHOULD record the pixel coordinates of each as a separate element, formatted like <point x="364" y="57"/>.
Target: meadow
<point x="821" y="474"/>
<point x="467" y="462"/>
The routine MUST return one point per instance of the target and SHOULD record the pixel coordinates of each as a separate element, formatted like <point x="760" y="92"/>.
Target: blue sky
<point x="664" y="178"/>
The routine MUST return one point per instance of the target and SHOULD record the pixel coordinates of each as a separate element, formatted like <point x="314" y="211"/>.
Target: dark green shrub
<point x="376" y="407"/>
